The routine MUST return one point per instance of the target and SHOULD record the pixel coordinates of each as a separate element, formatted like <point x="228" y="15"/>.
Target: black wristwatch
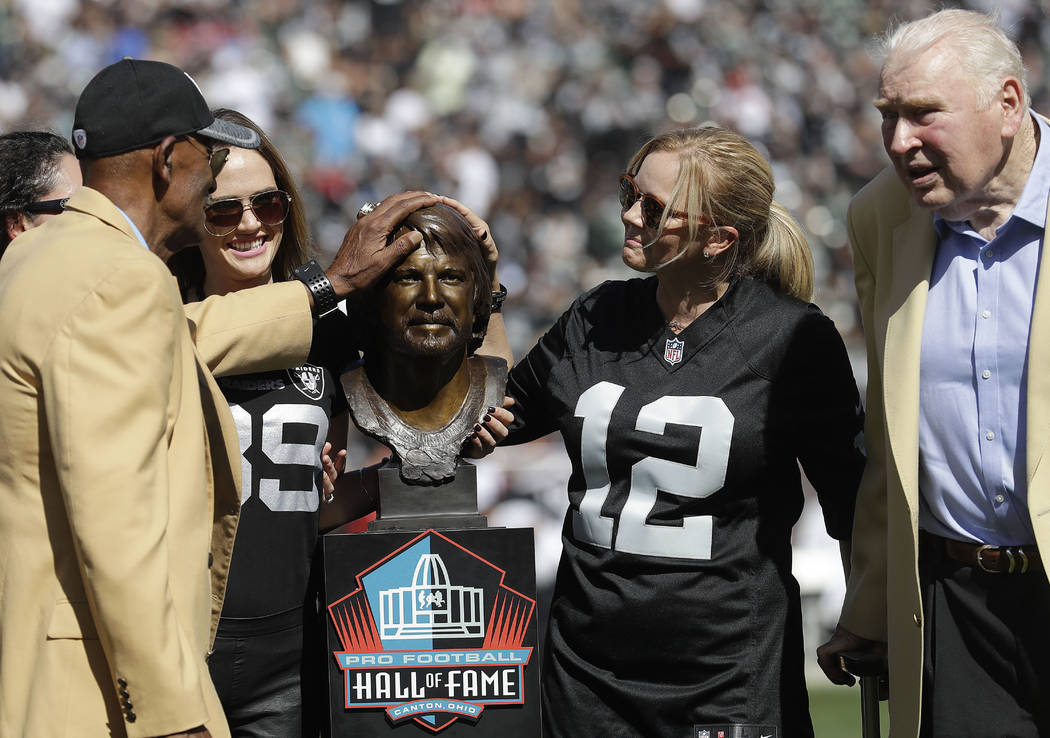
<point x="498" y="296"/>
<point x="312" y="275"/>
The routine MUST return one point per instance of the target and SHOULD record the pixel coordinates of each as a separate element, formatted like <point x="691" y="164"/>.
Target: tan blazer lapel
<point x="223" y="457"/>
<point x="1038" y="426"/>
<point x="93" y="202"/>
<point x="914" y="243"/>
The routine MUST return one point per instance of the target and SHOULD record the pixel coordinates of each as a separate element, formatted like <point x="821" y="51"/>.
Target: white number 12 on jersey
<point x="703" y="478"/>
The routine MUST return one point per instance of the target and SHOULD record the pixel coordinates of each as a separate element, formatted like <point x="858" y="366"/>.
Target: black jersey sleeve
<point x="339" y="402"/>
<point x="336" y="342"/>
<point x="334" y="347"/>
<point x="527" y="383"/>
<point x="830" y="420"/>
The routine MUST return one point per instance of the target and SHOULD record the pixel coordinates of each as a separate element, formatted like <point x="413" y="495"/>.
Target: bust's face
<point x="426" y="307"/>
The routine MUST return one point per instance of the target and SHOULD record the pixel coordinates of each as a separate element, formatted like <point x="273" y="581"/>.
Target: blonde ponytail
<point x="724" y="181"/>
<point x="784" y="258"/>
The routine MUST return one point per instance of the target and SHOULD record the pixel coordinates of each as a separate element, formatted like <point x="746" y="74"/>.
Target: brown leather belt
<point x="992" y="559"/>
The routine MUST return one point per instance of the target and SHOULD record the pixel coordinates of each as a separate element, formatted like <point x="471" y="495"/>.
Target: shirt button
<point x="986" y="314"/>
<point x="990" y="436"/>
<point x="999" y="499"/>
<point x="986" y="374"/>
<point x="989" y="253"/>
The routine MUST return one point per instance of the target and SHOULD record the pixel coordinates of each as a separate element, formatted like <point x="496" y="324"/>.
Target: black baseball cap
<point x="136" y="103"/>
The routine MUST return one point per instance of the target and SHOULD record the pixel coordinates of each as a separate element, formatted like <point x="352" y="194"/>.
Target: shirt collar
<point x="135" y="229"/>
<point x="1032" y="204"/>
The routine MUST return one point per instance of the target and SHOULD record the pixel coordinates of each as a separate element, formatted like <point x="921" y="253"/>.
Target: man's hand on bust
<point x="364" y="256"/>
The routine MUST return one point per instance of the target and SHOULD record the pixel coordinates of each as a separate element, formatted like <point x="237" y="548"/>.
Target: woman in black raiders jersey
<point x="257" y="233"/>
<point x="687" y="400"/>
<point x="292" y="426"/>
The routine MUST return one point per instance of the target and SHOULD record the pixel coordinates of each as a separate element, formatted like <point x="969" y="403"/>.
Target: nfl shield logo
<point x="673" y="350"/>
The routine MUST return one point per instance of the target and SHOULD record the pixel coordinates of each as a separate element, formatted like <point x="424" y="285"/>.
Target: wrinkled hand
<point x="484" y="234"/>
<point x="332" y="469"/>
<point x="364" y="256"/>
<point x="488" y="433"/>
<point x="843" y="640"/>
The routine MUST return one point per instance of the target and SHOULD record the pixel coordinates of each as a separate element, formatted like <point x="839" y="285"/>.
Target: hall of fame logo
<point x="432" y="635"/>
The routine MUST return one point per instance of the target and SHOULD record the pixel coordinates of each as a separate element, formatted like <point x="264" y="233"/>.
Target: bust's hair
<point x="445" y="229"/>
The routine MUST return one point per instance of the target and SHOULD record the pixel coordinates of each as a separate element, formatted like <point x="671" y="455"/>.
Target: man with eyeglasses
<point x="951" y="532"/>
<point x="38" y="173"/>
<point x="119" y="459"/>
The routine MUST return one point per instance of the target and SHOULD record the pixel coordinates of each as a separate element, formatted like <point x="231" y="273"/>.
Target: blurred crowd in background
<point x="526" y="110"/>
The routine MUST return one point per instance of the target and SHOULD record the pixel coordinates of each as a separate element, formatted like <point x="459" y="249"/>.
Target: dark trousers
<point x="255" y="666"/>
<point x="986" y="664"/>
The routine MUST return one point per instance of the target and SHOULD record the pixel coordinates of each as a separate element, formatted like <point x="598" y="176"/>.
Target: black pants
<point x="986" y="665"/>
<point x="256" y="670"/>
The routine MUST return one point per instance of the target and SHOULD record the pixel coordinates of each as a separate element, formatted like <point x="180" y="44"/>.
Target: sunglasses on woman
<point x="222" y="217"/>
<point x="652" y="208"/>
<point x="46" y="207"/>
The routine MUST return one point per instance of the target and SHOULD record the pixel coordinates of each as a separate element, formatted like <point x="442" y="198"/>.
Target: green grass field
<point x="836" y="711"/>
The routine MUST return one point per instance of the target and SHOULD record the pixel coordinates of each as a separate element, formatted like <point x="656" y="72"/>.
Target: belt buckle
<point x="980" y="560"/>
<point x="1024" y="561"/>
<point x="1012" y="555"/>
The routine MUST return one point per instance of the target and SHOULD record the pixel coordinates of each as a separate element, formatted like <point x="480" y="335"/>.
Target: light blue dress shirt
<point x="134" y="228"/>
<point x="974" y="372"/>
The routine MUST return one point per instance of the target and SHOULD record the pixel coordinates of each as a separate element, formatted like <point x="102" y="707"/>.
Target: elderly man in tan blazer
<point x="953" y="509"/>
<point x="119" y="464"/>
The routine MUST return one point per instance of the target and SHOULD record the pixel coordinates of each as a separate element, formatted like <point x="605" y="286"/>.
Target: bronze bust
<point x="421" y="388"/>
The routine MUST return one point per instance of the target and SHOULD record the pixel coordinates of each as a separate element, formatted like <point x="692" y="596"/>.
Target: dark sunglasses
<point x="49" y="207"/>
<point x="216" y="157"/>
<point x="222" y="217"/>
<point x="652" y="208"/>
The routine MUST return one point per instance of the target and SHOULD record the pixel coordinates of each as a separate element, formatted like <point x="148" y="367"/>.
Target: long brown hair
<point x="297" y="244"/>
<point x="724" y="181"/>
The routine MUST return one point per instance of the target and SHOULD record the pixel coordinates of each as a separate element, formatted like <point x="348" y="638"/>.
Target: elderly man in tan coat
<point x="119" y="465"/>
<point x="953" y="512"/>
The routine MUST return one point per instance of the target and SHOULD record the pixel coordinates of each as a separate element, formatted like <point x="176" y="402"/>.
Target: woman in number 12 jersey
<point x="686" y="400"/>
